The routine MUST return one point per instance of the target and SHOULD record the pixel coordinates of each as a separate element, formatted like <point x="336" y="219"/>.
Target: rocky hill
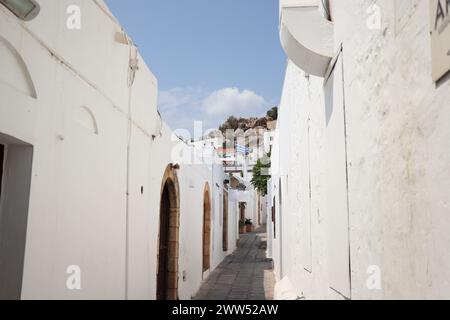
<point x="249" y="123"/>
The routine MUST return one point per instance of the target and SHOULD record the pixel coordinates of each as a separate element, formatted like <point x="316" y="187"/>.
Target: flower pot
<point x="249" y="228"/>
<point x="242" y="230"/>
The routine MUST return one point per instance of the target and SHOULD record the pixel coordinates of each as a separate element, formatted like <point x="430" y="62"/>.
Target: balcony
<point x="306" y="35"/>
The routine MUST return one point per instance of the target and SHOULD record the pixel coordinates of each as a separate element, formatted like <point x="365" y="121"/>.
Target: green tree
<point x="273" y="113"/>
<point x="261" y="174"/>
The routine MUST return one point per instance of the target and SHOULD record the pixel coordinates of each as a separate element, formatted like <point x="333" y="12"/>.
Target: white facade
<point x="82" y="132"/>
<point x="361" y="158"/>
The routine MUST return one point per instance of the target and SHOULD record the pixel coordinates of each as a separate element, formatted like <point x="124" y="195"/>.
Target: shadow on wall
<point x="15" y="178"/>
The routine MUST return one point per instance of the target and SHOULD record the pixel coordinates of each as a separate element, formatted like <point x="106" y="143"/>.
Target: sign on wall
<point x="440" y="37"/>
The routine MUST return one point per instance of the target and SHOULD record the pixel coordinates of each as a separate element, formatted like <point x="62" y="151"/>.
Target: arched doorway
<point x="169" y="225"/>
<point x="206" y="228"/>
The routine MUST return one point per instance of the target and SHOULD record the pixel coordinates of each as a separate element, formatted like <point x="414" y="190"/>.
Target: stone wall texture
<point x="397" y="141"/>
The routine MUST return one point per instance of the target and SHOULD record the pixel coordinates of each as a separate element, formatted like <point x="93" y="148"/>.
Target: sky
<point x="212" y="58"/>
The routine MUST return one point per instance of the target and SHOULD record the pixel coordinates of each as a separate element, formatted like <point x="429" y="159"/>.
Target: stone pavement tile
<point x="240" y="289"/>
<point x="237" y="298"/>
<point x="258" y="297"/>
<point x="246" y="274"/>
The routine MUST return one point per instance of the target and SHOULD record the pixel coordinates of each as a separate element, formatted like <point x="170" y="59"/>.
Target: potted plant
<point x="248" y="225"/>
<point x="241" y="226"/>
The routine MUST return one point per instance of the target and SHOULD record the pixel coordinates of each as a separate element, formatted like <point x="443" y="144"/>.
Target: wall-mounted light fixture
<point x="23" y="9"/>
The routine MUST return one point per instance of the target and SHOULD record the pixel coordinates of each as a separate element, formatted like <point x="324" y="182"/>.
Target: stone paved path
<point x="245" y="275"/>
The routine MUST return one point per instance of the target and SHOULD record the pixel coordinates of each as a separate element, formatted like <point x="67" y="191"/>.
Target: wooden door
<point x="163" y="270"/>
<point x="206" y="231"/>
<point x="225" y="221"/>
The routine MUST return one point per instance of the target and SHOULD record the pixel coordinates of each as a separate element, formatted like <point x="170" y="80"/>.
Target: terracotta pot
<point x="249" y="228"/>
<point x="241" y="230"/>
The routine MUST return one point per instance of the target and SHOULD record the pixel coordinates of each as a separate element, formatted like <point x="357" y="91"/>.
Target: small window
<point x="24" y="9"/>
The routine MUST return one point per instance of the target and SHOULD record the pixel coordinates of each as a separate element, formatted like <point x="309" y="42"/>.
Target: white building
<point x="94" y="202"/>
<point x="361" y="173"/>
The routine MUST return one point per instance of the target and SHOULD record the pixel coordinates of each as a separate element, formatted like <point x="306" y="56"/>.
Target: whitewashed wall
<point x="65" y="93"/>
<point x="397" y="159"/>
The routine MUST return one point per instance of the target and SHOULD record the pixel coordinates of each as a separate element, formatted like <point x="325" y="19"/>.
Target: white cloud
<point x="231" y="101"/>
<point x="180" y="107"/>
<point x="179" y="97"/>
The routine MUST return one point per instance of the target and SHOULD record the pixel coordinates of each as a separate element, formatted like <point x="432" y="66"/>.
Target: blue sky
<point x="212" y="58"/>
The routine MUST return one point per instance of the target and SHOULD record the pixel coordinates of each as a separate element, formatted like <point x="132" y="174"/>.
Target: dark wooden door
<point x="225" y="221"/>
<point x="242" y="211"/>
<point x="274" y="220"/>
<point x="163" y="257"/>
<point x="206" y="233"/>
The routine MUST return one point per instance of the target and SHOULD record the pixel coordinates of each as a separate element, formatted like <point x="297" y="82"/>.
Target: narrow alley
<point x="224" y="150"/>
<point x="245" y="275"/>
